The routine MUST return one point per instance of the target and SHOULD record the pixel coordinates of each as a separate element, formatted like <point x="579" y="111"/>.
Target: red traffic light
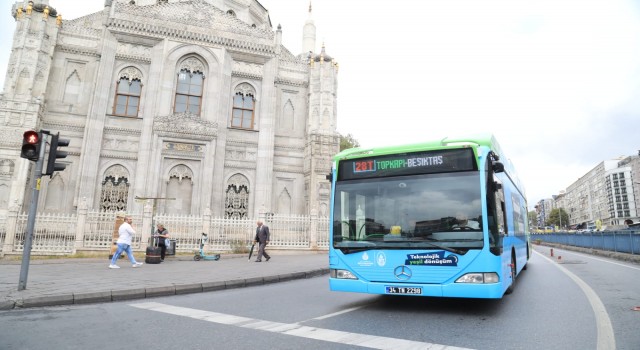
<point x="31" y="137"/>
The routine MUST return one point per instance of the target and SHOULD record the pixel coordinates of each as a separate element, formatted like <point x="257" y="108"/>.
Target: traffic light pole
<point x="33" y="208"/>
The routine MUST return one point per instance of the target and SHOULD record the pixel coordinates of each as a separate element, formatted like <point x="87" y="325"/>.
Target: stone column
<point x="144" y="183"/>
<point x="94" y="129"/>
<point x="264" y="165"/>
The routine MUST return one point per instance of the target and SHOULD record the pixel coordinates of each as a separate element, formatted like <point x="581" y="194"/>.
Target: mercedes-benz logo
<point x="402" y="272"/>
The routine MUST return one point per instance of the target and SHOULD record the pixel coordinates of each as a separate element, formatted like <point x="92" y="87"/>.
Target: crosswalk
<point x="295" y="329"/>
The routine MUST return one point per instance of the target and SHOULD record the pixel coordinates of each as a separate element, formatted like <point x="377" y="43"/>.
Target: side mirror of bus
<point x="497" y="167"/>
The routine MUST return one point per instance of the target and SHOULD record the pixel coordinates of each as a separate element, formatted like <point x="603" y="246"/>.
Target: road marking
<point x="334" y="314"/>
<point x="606" y="339"/>
<point x="294" y="329"/>
<point x="601" y="260"/>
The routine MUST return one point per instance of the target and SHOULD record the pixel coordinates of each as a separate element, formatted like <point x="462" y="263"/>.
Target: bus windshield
<point x="425" y="211"/>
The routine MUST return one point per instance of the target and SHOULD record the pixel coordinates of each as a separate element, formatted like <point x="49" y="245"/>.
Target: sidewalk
<point x="82" y="281"/>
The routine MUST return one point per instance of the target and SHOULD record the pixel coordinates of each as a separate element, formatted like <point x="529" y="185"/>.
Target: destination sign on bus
<point x="425" y="162"/>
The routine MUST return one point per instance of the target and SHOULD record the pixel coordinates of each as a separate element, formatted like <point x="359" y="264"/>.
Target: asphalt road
<point x="549" y="310"/>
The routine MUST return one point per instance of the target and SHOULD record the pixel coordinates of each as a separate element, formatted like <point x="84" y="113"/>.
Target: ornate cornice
<point x="234" y="164"/>
<point x="118" y="156"/>
<point x="54" y="125"/>
<point x="183" y="155"/>
<point x="132" y="58"/>
<point x="288" y="169"/>
<point x="242" y="143"/>
<point x="291" y="82"/>
<point x="246" y="75"/>
<point x="78" y="51"/>
<point x="121" y="131"/>
<point x="164" y="31"/>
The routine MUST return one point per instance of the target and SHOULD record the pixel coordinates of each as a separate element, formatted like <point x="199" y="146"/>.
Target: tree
<point x="558" y="217"/>
<point x="348" y="141"/>
<point x="533" y="218"/>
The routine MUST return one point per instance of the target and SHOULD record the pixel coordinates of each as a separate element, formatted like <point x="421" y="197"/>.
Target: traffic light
<point x="55" y="153"/>
<point x="31" y="145"/>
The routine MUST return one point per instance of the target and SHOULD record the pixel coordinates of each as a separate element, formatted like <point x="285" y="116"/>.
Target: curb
<point x="142" y="293"/>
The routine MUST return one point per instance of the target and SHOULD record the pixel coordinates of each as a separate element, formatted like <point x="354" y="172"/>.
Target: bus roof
<point x="480" y="140"/>
<point x="486" y="139"/>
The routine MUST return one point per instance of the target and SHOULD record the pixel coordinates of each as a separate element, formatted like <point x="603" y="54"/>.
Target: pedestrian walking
<point x="125" y="233"/>
<point x="162" y="235"/>
<point x="262" y="237"/>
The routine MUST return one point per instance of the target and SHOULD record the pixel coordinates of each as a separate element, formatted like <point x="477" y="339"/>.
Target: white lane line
<point x="599" y="259"/>
<point x="335" y="314"/>
<point x="293" y="329"/>
<point x="606" y="339"/>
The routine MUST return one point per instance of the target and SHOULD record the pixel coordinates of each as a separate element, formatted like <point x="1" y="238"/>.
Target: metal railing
<point x="94" y="231"/>
<point x="625" y="241"/>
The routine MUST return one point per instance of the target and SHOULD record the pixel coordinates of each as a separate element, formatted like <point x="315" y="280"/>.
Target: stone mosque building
<point x="196" y="100"/>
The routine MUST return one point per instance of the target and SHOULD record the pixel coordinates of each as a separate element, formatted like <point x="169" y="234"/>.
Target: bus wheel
<point x="513" y="276"/>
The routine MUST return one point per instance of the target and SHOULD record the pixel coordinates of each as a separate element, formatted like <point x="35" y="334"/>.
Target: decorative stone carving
<point x="117" y="171"/>
<point x="6" y="167"/>
<point x="186" y="123"/>
<point x="131" y="73"/>
<point x="245" y="89"/>
<point x="237" y="197"/>
<point x="247" y="69"/>
<point x="192" y="65"/>
<point x="181" y="172"/>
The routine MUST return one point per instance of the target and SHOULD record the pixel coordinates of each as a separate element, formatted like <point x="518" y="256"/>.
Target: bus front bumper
<point x="453" y="290"/>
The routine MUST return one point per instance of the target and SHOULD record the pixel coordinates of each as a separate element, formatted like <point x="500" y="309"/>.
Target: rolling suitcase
<point x="153" y="254"/>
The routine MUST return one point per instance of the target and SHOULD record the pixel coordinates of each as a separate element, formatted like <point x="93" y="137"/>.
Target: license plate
<point x="403" y="290"/>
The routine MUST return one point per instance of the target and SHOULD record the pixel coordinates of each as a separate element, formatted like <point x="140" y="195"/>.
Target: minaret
<point x="323" y="141"/>
<point x="22" y="98"/>
<point x="309" y="35"/>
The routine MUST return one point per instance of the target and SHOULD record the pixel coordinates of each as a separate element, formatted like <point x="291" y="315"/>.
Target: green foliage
<point x="558" y="217"/>
<point x="533" y="218"/>
<point x="348" y="141"/>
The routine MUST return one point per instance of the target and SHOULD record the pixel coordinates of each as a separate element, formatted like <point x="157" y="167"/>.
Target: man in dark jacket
<point x="262" y="237"/>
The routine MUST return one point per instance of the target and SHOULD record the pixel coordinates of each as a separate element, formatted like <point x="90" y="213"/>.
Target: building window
<point x="189" y="92"/>
<point x="243" y="111"/>
<point x="624" y="198"/>
<point x="615" y="176"/>
<point x="127" y="100"/>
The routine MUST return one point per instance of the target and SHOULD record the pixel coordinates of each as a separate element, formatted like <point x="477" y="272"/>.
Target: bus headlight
<point x="342" y="274"/>
<point x="487" y="277"/>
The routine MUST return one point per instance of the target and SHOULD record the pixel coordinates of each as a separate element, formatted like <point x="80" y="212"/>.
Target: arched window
<point x="179" y="187"/>
<point x="127" y="100"/>
<point x="128" y="90"/>
<point x="189" y="92"/>
<point x="243" y="107"/>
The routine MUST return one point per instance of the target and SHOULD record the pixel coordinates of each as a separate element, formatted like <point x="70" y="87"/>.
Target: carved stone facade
<point x="195" y="103"/>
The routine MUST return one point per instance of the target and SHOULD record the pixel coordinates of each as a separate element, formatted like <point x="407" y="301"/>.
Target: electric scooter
<point x="201" y="255"/>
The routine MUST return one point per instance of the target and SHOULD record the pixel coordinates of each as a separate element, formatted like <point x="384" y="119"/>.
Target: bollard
<point x="551" y="251"/>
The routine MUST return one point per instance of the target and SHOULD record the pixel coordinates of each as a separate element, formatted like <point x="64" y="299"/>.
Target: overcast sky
<point x="557" y="81"/>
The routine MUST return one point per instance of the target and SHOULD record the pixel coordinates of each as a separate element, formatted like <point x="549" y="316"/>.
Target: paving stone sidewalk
<point x="81" y="281"/>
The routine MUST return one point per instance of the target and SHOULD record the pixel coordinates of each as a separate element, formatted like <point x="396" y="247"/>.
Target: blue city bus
<point x="446" y="218"/>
